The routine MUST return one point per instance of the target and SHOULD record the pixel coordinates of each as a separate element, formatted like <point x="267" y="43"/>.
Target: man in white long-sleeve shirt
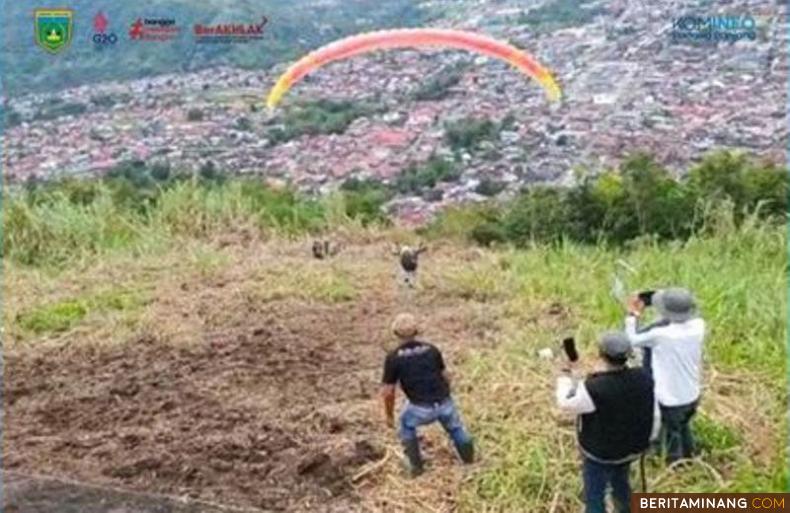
<point x="617" y="417"/>
<point x="675" y="360"/>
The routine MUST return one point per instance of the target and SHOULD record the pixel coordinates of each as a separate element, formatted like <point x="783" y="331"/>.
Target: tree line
<point x="50" y="220"/>
<point x="640" y="198"/>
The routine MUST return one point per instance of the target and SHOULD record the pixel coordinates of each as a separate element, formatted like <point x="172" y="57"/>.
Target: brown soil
<point x="276" y="410"/>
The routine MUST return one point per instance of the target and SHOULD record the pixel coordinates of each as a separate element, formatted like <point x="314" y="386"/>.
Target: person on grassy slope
<point x="617" y="415"/>
<point x="409" y="261"/>
<point x="675" y="361"/>
<point x="420" y="370"/>
<point x="318" y="250"/>
<point x="324" y="249"/>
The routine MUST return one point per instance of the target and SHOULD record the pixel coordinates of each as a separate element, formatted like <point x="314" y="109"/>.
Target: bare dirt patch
<point x="272" y="407"/>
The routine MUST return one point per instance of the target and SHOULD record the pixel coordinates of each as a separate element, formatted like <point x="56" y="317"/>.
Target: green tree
<point x="767" y="188"/>
<point x="539" y="214"/>
<point x="416" y="178"/>
<point x="468" y="133"/>
<point x="489" y="187"/>
<point x="438" y="86"/>
<point x="364" y="199"/>
<point x="319" y="117"/>
<point x="735" y="176"/>
<point x="243" y="123"/>
<point x="720" y="176"/>
<point x="659" y="203"/>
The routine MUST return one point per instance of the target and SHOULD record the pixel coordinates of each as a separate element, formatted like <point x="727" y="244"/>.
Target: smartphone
<point x="569" y="345"/>
<point x="647" y="297"/>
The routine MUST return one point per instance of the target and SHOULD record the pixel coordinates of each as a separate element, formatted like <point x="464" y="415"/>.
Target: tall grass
<point x="59" y="229"/>
<point x="76" y="220"/>
<point x="528" y="449"/>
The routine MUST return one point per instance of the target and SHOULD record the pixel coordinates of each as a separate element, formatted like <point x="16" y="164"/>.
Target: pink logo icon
<point x="100" y="23"/>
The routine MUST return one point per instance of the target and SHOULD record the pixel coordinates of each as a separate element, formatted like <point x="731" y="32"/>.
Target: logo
<point x="53" y="28"/>
<point x="713" y="29"/>
<point x="153" y="29"/>
<point x="230" y="32"/>
<point x="709" y="502"/>
<point x="100" y="36"/>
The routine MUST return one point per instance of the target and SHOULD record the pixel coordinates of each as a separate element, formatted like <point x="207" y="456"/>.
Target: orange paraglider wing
<point x="410" y="38"/>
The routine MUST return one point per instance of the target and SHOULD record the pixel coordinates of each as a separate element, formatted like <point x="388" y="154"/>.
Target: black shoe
<point x="466" y="451"/>
<point x="411" y="448"/>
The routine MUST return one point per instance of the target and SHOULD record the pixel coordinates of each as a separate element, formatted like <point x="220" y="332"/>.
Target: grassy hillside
<point x="543" y="293"/>
<point x="294" y="28"/>
<point x="100" y="271"/>
<point x="490" y="310"/>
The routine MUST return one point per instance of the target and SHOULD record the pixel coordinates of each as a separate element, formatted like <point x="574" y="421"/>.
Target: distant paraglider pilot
<point x="318" y="249"/>
<point x="409" y="261"/>
<point x="324" y="249"/>
<point x="419" y="369"/>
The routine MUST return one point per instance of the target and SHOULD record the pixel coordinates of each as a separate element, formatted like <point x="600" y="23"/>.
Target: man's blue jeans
<point x="597" y="476"/>
<point x="445" y="412"/>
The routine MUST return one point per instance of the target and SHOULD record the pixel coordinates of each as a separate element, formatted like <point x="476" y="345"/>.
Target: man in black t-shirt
<point x="419" y="369"/>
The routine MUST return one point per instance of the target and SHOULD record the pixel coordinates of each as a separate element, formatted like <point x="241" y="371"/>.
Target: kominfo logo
<point x="713" y="29"/>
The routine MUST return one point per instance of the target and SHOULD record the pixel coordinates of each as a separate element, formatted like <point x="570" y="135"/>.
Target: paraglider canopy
<point x="411" y="38"/>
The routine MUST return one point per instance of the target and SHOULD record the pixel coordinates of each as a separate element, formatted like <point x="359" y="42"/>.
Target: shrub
<point x="539" y="214"/>
<point x="658" y="202"/>
<point x="319" y="117"/>
<point x="244" y="124"/>
<point x="417" y="178"/>
<point x="468" y="133"/>
<point x="489" y="187"/>
<point x="748" y="184"/>
<point x="488" y="233"/>
<point x="476" y="222"/>
<point x="438" y="87"/>
<point x="364" y="200"/>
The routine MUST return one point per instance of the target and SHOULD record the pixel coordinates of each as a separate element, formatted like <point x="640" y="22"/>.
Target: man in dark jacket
<point x="419" y="369"/>
<point x="617" y="417"/>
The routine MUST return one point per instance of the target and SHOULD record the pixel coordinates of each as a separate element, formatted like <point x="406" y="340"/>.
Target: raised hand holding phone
<point x="646" y="297"/>
<point x="635" y="305"/>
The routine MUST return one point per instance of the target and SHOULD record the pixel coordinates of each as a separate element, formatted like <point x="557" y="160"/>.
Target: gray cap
<point x="615" y="344"/>
<point x="675" y="304"/>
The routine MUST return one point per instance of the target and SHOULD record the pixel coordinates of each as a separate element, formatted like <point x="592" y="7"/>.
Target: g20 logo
<point x="100" y="36"/>
<point x="105" y="39"/>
